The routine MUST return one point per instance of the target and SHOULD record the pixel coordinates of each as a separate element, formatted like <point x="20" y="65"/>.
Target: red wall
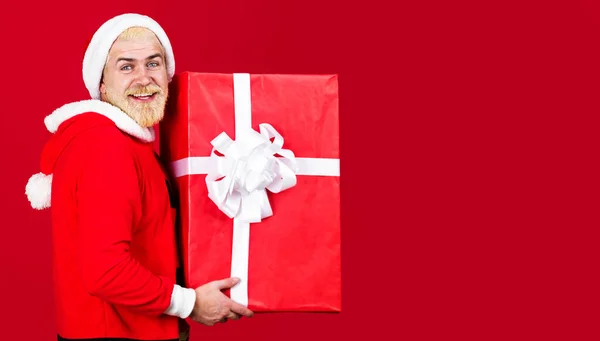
<point x="483" y="229"/>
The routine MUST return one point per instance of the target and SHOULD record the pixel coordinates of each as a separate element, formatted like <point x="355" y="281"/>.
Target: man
<point x="115" y="250"/>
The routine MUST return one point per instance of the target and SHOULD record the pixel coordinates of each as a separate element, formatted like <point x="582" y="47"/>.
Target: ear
<point x="102" y="85"/>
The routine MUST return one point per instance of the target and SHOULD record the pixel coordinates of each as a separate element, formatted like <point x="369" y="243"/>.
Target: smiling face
<point x="135" y="76"/>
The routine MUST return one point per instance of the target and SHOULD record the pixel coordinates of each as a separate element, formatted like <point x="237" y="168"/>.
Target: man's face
<point x="135" y="78"/>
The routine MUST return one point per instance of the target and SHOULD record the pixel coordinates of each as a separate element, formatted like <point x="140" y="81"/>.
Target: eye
<point x="126" y="67"/>
<point x="153" y="64"/>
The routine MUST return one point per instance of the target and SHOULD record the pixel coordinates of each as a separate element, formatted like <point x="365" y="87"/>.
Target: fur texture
<point x="38" y="190"/>
<point x="121" y="119"/>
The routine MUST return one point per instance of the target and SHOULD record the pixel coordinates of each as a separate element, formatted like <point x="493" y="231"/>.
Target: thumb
<point x="227" y="282"/>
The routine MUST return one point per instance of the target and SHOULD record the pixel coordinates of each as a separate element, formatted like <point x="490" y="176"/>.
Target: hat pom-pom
<point x="38" y="190"/>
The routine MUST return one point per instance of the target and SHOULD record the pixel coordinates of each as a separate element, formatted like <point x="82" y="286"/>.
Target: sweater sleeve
<point x="109" y="204"/>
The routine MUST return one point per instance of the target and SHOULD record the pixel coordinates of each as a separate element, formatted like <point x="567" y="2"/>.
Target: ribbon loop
<point x="238" y="185"/>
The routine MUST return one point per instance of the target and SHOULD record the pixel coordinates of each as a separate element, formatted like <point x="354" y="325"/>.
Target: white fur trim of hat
<point x="97" y="51"/>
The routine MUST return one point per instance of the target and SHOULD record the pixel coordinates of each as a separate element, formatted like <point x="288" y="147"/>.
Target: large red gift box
<point x="255" y="162"/>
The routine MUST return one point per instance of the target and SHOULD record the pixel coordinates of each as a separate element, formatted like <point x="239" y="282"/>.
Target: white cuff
<point x="182" y="302"/>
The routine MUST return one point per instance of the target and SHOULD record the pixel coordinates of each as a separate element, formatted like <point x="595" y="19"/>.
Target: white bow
<point x="238" y="184"/>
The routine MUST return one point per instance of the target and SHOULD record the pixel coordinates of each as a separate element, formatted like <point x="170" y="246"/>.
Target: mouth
<point x="143" y="97"/>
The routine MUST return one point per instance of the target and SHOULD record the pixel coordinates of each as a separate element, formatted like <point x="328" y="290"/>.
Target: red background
<point x="469" y="140"/>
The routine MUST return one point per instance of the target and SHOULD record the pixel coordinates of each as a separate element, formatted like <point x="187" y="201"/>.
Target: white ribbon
<point x="238" y="184"/>
<point x="238" y="180"/>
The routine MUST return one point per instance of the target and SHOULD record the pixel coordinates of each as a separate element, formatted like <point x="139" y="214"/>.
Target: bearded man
<point x="115" y="252"/>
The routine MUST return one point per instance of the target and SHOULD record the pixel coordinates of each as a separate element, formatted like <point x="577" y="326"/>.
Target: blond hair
<point x="136" y="32"/>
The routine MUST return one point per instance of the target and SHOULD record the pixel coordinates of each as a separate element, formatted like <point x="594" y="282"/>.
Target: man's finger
<point x="240" y="309"/>
<point x="233" y="316"/>
<point x="227" y="283"/>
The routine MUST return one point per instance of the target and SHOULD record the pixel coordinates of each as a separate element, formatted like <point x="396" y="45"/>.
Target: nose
<point x="143" y="77"/>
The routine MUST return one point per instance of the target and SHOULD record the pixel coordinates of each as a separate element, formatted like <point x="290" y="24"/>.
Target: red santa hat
<point x="97" y="51"/>
<point x="38" y="188"/>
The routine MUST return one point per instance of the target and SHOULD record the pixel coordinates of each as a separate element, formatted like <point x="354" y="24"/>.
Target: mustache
<point x="148" y="89"/>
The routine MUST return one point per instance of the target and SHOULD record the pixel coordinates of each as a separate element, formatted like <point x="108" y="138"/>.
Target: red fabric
<point x="113" y="234"/>
<point x="294" y="255"/>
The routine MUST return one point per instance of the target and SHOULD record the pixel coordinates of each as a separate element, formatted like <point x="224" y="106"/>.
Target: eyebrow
<point x="133" y="59"/>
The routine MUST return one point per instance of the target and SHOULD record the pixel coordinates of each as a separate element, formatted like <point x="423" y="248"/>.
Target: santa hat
<point x="38" y="188"/>
<point x="97" y="51"/>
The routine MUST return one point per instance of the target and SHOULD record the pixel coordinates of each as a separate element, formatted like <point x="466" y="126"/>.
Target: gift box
<point x="255" y="163"/>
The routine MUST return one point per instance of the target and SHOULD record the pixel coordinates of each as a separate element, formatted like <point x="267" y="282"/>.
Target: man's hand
<point x="212" y="306"/>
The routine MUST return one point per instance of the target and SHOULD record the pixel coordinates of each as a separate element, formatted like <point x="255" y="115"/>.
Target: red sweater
<point x="114" y="245"/>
